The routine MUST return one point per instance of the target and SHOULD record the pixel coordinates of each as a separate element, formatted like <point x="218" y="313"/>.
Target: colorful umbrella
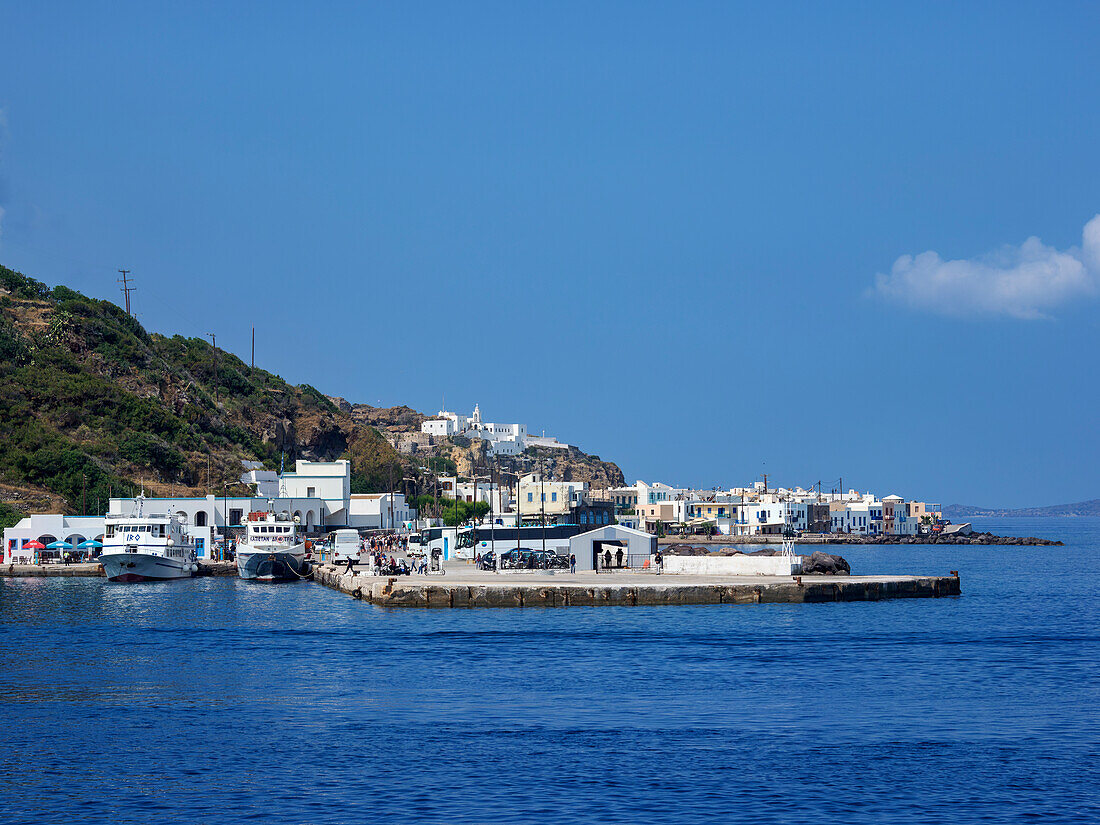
<point x="34" y="545"/>
<point x="59" y="545"/>
<point x="90" y="543"/>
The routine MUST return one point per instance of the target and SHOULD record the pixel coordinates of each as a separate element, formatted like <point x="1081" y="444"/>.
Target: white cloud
<point x="1025" y="281"/>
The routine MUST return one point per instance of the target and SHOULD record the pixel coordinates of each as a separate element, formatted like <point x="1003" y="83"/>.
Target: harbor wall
<point x="739" y="565"/>
<point x="627" y="591"/>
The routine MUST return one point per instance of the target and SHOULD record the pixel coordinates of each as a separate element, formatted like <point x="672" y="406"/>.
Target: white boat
<point x="270" y="549"/>
<point x="146" y="547"/>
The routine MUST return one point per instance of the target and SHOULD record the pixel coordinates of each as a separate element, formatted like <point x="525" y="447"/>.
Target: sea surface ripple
<point x="219" y="700"/>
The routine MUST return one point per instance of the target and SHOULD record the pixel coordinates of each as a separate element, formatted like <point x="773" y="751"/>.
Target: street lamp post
<point x="225" y="519"/>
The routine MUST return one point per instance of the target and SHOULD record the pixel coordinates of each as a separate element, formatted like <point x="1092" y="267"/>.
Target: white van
<point x="345" y="545"/>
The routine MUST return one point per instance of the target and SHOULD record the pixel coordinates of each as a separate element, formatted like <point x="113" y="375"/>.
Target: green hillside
<point x="91" y="404"/>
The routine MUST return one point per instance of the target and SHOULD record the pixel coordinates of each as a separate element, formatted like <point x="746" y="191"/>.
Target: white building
<point x="329" y="481"/>
<point x="856" y="517"/>
<point x="47" y="528"/>
<point x="657" y="493"/>
<point x="504" y="439"/>
<point x="374" y="511"/>
<point x="318" y="493"/>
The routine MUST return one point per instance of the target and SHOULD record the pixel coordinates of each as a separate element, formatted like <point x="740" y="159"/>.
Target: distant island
<point x="1081" y="508"/>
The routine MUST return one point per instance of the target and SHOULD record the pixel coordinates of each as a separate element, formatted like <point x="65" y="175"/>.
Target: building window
<point x="200" y="518"/>
<point x="311" y="492"/>
<point x="530" y="496"/>
<point x="553" y="496"/>
<point x="235" y="517"/>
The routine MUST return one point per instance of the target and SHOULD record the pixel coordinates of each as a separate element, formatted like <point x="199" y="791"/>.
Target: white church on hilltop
<point x="504" y="439"/>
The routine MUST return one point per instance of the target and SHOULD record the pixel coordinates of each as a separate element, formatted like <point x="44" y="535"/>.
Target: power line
<point x="126" y="288"/>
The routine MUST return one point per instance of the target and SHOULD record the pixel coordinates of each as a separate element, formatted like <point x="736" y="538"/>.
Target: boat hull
<point x="141" y="567"/>
<point x="272" y="565"/>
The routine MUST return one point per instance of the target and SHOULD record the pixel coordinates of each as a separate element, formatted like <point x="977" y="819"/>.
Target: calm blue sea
<point x="217" y="700"/>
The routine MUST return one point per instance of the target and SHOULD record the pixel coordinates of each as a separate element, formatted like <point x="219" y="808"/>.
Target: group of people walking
<point x="380" y="557"/>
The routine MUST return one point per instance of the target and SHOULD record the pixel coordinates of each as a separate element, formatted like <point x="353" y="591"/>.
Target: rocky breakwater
<point x="953" y="538"/>
<point x="852" y="538"/>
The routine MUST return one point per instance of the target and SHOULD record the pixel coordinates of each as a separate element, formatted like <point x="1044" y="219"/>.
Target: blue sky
<point x="673" y="234"/>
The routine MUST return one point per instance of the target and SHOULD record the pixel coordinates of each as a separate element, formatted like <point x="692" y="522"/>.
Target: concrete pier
<point x="469" y="588"/>
<point x="35" y="571"/>
<point x="94" y="570"/>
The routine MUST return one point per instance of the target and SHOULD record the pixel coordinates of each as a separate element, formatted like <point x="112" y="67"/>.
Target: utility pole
<point x="542" y="503"/>
<point x="253" y="365"/>
<point x="214" y="346"/>
<point x="391" y="497"/>
<point x="126" y="288"/>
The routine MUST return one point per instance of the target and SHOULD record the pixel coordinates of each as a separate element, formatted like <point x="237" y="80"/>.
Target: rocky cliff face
<point x="562" y="464"/>
<point x="388" y="419"/>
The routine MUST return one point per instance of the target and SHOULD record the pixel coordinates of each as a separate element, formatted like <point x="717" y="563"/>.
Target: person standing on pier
<point x="572" y="563"/>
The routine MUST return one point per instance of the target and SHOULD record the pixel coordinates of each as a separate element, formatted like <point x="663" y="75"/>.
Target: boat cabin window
<point x="110" y="531"/>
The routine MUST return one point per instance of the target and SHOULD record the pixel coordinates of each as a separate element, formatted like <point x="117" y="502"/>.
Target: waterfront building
<point x="46" y="529"/>
<point x="624" y="498"/>
<point x="893" y="507"/>
<point x="538" y="497"/>
<point x="588" y="513"/>
<point x="861" y="517"/>
<point x="657" y="492"/>
<point x="654" y="516"/>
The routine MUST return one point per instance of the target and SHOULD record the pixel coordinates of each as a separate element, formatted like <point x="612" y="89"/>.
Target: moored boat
<point x="146" y="547"/>
<point x="270" y="549"/>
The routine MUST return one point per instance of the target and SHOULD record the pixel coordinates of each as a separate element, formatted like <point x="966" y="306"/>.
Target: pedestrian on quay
<point x="351" y="565"/>
<point x="659" y="561"/>
<point x="572" y="563"/>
